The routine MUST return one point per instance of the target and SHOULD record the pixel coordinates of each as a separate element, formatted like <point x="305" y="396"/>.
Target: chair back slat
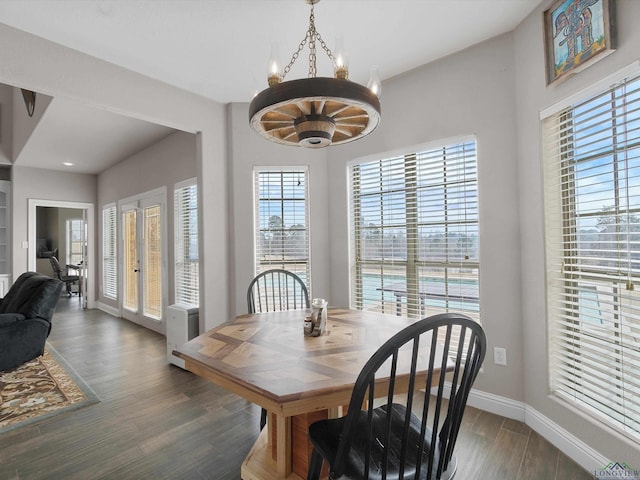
<point x="395" y="436"/>
<point x="277" y="290"/>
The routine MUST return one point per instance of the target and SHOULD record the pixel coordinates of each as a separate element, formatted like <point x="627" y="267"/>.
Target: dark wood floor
<point x="156" y="421"/>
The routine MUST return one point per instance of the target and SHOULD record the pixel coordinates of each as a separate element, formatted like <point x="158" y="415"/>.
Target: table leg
<point x="283" y="445"/>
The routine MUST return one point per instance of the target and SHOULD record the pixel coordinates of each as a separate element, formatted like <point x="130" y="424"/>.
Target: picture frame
<point x="577" y="33"/>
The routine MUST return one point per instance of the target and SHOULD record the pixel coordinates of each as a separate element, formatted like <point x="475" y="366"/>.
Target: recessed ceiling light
<point x="68" y="164"/>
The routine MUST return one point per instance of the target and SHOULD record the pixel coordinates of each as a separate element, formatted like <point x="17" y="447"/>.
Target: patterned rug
<point x="39" y="389"/>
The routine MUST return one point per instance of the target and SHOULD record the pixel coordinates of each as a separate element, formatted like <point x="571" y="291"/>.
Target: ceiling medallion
<point x="315" y="112"/>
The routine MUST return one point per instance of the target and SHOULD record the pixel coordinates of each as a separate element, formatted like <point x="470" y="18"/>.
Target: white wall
<point x="6" y="124"/>
<point x="247" y="150"/>
<point x="532" y="97"/>
<point x="163" y="164"/>
<point x="57" y="71"/>
<point x="35" y="183"/>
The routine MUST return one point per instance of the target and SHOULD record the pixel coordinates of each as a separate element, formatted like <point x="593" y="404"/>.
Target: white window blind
<point x="282" y="221"/>
<point x="415" y="233"/>
<point x="187" y="275"/>
<point x="75" y="241"/>
<point x="109" y="253"/>
<point x="592" y="216"/>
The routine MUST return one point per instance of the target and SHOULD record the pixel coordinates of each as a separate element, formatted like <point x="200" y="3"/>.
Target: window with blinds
<point x="592" y="217"/>
<point x="282" y="221"/>
<point x="75" y="241"/>
<point x="187" y="274"/>
<point x="414" y="226"/>
<point x="109" y="253"/>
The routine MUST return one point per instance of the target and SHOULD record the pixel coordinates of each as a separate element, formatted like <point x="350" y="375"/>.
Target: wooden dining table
<point x="266" y="359"/>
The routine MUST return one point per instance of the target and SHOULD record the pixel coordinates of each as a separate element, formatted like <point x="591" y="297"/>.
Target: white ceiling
<point x="90" y="138"/>
<point x="219" y="48"/>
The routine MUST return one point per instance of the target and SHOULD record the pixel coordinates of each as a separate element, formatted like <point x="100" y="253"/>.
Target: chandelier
<point x="316" y="111"/>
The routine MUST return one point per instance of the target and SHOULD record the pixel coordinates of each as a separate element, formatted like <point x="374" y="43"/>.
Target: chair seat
<point x="69" y="278"/>
<point x="325" y="435"/>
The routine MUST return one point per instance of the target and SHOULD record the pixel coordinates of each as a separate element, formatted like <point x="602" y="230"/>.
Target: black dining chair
<point x="64" y="276"/>
<point x="273" y="291"/>
<point x="277" y="290"/>
<point x="404" y="436"/>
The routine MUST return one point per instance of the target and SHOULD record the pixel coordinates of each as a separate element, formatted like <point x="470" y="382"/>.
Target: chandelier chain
<point x="311" y="37"/>
<point x="295" y="56"/>
<point x="312" y="48"/>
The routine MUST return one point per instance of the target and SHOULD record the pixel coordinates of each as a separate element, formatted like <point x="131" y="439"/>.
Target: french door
<point x="143" y="268"/>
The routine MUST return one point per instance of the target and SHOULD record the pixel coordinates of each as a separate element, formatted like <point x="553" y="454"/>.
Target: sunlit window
<point x="109" y="253"/>
<point x="75" y="241"/>
<point x="282" y="221"/>
<point x="592" y="214"/>
<point x="187" y="279"/>
<point x="414" y="227"/>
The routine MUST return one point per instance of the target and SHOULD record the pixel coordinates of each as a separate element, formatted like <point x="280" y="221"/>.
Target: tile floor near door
<point x="156" y="421"/>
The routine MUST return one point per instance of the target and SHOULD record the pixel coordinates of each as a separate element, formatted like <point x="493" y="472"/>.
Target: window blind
<point x="282" y="222"/>
<point x="187" y="274"/>
<point x="109" y="253"/>
<point x="592" y="217"/>
<point x="414" y="226"/>
<point x="75" y="241"/>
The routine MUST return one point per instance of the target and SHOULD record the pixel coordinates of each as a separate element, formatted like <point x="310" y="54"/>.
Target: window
<point x="592" y="215"/>
<point x="415" y="233"/>
<point x="75" y="241"/>
<point x="187" y="281"/>
<point x="109" y="253"/>
<point x="282" y="221"/>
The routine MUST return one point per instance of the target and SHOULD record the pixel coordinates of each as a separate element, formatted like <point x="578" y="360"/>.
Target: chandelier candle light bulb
<point x="274" y="71"/>
<point x="341" y="61"/>
<point x="375" y="85"/>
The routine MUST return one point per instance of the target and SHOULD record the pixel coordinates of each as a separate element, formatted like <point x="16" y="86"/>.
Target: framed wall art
<point x="577" y="33"/>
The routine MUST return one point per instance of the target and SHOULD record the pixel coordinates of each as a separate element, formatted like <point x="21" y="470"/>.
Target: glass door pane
<point x="152" y="263"/>
<point x="130" y="301"/>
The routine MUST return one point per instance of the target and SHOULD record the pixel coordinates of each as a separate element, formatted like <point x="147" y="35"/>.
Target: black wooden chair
<point x="274" y="291"/>
<point x="400" y="436"/>
<point x="277" y="290"/>
<point x="64" y="276"/>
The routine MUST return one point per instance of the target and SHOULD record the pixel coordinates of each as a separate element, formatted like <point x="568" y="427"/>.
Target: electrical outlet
<point x="500" y="356"/>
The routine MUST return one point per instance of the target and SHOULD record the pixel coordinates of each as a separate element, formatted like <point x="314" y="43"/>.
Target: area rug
<point x="40" y="389"/>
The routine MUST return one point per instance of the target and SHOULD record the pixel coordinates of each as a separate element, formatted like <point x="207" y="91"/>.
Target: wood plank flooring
<point x="156" y="421"/>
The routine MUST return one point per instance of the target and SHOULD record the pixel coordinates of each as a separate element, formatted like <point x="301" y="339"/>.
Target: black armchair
<point x="25" y="318"/>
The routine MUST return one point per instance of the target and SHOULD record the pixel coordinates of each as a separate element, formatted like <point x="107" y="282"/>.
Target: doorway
<point x="79" y="249"/>
<point x="143" y="259"/>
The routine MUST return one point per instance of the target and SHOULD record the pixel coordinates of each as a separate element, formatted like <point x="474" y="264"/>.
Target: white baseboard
<point x="108" y="309"/>
<point x="567" y="443"/>
<point x="496" y="404"/>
